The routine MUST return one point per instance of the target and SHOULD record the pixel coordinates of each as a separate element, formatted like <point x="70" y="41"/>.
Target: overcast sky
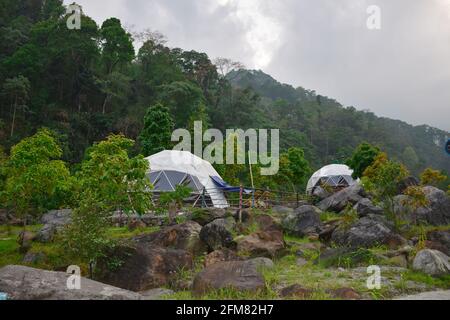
<point x="401" y="71"/>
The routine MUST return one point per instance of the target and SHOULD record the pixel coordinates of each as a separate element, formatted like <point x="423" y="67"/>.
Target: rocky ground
<point x="318" y="250"/>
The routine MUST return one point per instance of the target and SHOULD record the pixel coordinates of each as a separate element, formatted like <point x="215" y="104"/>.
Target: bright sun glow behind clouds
<point x="262" y="30"/>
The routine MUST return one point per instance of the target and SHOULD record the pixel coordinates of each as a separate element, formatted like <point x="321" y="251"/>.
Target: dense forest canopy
<point x="86" y="84"/>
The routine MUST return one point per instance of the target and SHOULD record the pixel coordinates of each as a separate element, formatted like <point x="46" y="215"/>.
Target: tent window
<point x="163" y="184"/>
<point x="175" y="177"/>
<point x="153" y="176"/>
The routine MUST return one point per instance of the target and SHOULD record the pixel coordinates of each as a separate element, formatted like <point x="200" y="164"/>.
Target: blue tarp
<point x="226" y="187"/>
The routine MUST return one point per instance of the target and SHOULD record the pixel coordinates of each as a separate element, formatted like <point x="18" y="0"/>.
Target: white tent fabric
<point x="334" y="171"/>
<point x="184" y="161"/>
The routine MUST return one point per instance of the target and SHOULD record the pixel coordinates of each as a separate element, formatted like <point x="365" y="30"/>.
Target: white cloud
<point x="401" y="71"/>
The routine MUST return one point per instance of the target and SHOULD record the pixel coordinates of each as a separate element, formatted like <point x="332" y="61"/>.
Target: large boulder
<point x="320" y="193"/>
<point x="364" y="207"/>
<point x="203" y="216"/>
<point x="367" y="232"/>
<point x="439" y="240"/>
<point x="262" y="244"/>
<point x="185" y="236"/>
<point x="281" y="210"/>
<point x="437" y="212"/>
<point x="432" y="262"/>
<point x="303" y="221"/>
<point x="54" y="221"/>
<point x="341" y="199"/>
<point x="25" y="283"/>
<point x="220" y="256"/>
<point x="239" y="275"/>
<point x="145" y="266"/>
<point x="218" y="234"/>
<point x="268" y="241"/>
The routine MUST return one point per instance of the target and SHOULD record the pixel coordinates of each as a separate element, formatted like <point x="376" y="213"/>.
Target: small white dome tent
<point x="333" y="175"/>
<point x="170" y="168"/>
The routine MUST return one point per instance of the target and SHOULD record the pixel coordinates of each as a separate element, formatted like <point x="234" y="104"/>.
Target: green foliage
<point x="36" y="180"/>
<point x="113" y="180"/>
<point x="431" y="177"/>
<point x="157" y="131"/>
<point x="294" y="168"/>
<point x="383" y="176"/>
<point x="181" y="192"/>
<point x="109" y="181"/>
<point x="117" y="45"/>
<point x="363" y="156"/>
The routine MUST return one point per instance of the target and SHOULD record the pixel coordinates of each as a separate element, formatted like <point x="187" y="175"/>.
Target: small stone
<point x="296" y="291"/>
<point x="301" y="262"/>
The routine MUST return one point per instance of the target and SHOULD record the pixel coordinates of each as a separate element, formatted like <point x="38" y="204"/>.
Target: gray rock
<point x="301" y="262"/>
<point x="218" y="234"/>
<point x="25" y="283"/>
<point x="184" y="236"/>
<point x="204" y="216"/>
<point x="282" y="210"/>
<point x="303" y="221"/>
<point x="240" y="275"/>
<point x="367" y="232"/>
<point x="432" y="262"/>
<point x="439" y="240"/>
<point x="54" y="221"/>
<point x="156" y="294"/>
<point x="436" y="213"/>
<point x="320" y="193"/>
<point x="145" y="266"/>
<point x="365" y="207"/>
<point x="261" y="263"/>
<point x="341" y="199"/>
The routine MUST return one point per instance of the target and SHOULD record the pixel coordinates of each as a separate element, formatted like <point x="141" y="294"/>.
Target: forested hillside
<point x="85" y="84"/>
<point x="329" y="132"/>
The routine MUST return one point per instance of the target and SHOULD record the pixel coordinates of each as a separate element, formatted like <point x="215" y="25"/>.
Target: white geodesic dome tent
<point x="170" y="168"/>
<point x="333" y="175"/>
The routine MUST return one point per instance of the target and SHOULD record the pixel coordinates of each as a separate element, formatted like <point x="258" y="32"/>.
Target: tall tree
<point x="157" y="131"/>
<point x="117" y="45"/>
<point x="17" y="89"/>
<point x="363" y="156"/>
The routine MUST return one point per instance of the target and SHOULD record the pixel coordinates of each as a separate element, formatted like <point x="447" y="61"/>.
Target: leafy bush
<point x="36" y="180"/>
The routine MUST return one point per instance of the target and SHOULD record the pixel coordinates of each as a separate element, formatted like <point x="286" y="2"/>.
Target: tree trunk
<point x="14" y="116"/>
<point x="104" y="104"/>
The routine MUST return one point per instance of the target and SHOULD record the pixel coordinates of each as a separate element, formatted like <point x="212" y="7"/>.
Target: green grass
<point x="327" y="216"/>
<point x="431" y="282"/>
<point x="125" y="233"/>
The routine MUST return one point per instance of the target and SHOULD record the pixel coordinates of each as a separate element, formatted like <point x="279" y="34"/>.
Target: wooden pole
<point x="240" y="203"/>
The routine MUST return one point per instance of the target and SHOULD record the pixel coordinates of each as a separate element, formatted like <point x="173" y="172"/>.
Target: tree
<point x="157" y="132"/>
<point x="117" y="45"/>
<point x="109" y="181"/>
<point x="294" y="169"/>
<point x="431" y="177"/>
<point x="36" y="180"/>
<point x="410" y="158"/>
<point x="298" y="165"/>
<point x="18" y="89"/>
<point x="363" y="156"/>
<point x="382" y="177"/>
<point x="183" y="98"/>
